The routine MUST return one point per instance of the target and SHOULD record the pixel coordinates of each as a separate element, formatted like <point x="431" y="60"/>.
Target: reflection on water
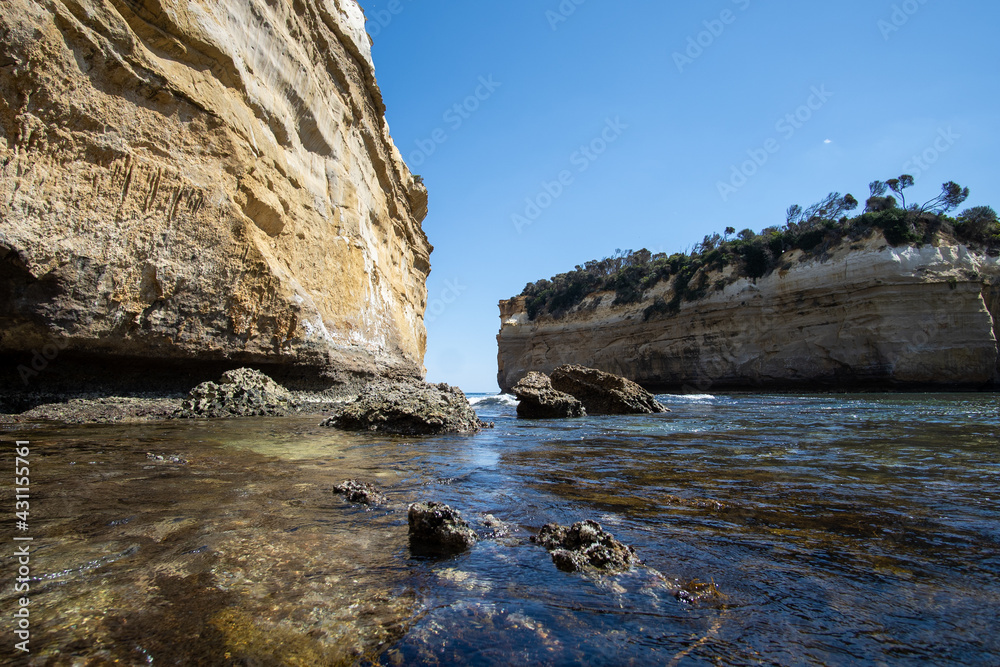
<point x="838" y="529"/>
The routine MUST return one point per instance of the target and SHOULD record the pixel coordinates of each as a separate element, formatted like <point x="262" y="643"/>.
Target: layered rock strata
<point x="197" y="182"/>
<point x="866" y="316"/>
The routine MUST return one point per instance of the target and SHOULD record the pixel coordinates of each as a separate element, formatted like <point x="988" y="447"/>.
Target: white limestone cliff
<point x="872" y="316"/>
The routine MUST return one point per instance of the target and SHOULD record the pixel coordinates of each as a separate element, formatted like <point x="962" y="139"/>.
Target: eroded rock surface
<point x="435" y="525"/>
<point x="538" y="400"/>
<point x="604" y="393"/>
<point x="193" y="180"/>
<point x="408" y="408"/>
<point x="585" y="545"/>
<point x="357" y="491"/>
<point x="243" y="392"/>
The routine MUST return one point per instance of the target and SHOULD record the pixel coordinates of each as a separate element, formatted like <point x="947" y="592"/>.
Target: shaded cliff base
<point x="76" y="387"/>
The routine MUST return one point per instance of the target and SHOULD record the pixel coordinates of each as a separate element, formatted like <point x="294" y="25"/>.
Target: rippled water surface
<point x="838" y="530"/>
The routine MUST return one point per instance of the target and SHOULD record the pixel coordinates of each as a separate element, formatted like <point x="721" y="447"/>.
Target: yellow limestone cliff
<point x="205" y="180"/>
<point x="869" y="316"/>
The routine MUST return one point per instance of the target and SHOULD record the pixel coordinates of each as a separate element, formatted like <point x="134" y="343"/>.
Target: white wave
<point x="689" y="397"/>
<point x="495" y="399"/>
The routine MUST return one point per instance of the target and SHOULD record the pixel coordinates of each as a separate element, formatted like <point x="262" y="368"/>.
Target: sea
<point x="772" y="530"/>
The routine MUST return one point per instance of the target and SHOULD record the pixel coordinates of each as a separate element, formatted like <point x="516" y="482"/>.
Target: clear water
<point x="839" y="530"/>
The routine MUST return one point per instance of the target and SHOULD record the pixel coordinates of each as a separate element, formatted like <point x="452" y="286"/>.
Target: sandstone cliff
<point x="205" y="180"/>
<point x="870" y="317"/>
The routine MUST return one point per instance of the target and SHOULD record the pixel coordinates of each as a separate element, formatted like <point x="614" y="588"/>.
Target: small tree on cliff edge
<point x="831" y="207"/>
<point x="878" y="201"/>
<point x="951" y="197"/>
<point x="897" y="185"/>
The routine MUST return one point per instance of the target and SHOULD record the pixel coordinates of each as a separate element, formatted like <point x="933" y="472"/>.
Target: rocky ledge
<point x="384" y="406"/>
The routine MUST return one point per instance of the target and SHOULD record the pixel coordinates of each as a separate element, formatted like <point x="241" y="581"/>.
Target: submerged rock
<point x="437" y="526"/>
<point x="604" y="393"/>
<point x="585" y="545"/>
<point x="243" y="392"/>
<point x="166" y="458"/>
<point x="357" y="491"/>
<point x="538" y="400"/>
<point x="409" y="408"/>
<point x="495" y="527"/>
<point x="695" y="592"/>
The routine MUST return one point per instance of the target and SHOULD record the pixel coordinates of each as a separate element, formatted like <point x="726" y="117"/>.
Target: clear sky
<point x="632" y="124"/>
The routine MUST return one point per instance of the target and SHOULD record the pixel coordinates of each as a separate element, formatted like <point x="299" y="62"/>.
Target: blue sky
<point x="583" y="126"/>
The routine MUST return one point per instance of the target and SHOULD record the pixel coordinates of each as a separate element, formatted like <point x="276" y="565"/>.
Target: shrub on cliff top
<point x="979" y="224"/>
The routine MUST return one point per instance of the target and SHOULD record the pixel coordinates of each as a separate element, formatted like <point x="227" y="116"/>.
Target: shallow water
<point x="838" y="530"/>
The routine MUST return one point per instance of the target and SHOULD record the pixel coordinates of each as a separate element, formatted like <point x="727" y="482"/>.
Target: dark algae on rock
<point x="243" y="392"/>
<point x="408" y="408"/>
<point x="436" y="527"/>
<point x="585" y="545"/>
<point x="356" y="491"/>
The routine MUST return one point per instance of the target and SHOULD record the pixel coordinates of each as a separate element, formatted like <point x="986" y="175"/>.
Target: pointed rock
<point x="604" y="393"/>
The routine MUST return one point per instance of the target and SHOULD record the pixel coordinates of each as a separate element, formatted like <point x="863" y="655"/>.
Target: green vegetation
<point x="815" y="231"/>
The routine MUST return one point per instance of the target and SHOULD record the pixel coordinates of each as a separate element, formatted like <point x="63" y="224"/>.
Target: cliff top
<point x="816" y="232"/>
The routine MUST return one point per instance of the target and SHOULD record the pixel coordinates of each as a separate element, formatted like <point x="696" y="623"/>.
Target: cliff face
<point x="205" y="180"/>
<point x="874" y="316"/>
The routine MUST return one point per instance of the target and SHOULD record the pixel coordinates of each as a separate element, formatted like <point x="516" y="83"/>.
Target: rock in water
<point x="437" y="526"/>
<point x="585" y="545"/>
<point x="243" y="392"/>
<point x="538" y="400"/>
<point x="495" y="527"/>
<point x="357" y="491"/>
<point x="406" y="408"/>
<point x="604" y="393"/>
